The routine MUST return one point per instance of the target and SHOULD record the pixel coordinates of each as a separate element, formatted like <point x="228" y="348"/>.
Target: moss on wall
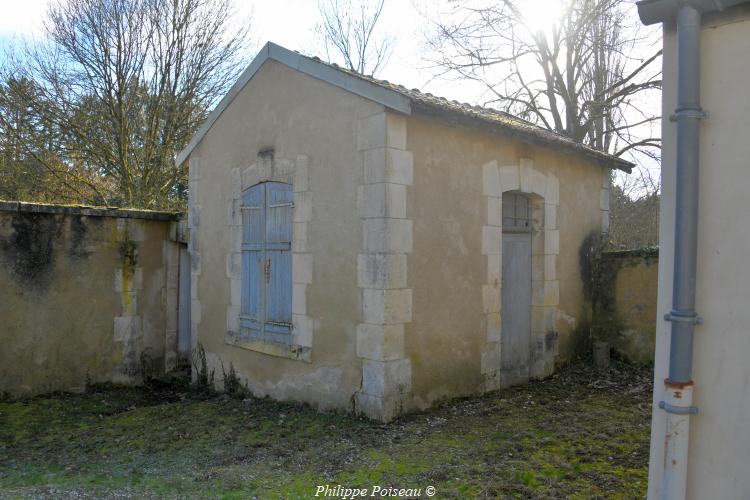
<point x="29" y="250"/>
<point x="620" y="288"/>
<point x="66" y="315"/>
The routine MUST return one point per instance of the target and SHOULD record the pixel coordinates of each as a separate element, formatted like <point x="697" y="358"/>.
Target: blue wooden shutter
<point x="253" y="240"/>
<point x="278" y="278"/>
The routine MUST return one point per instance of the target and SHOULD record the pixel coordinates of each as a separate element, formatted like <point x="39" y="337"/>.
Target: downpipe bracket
<point x="690" y="113"/>
<point x="677" y="316"/>
<point x="678" y="410"/>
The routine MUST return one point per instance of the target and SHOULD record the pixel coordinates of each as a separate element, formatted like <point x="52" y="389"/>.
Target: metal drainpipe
<point x="678" y="386"/>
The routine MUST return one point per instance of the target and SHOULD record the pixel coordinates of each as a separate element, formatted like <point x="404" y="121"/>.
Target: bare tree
<point x="127" y="82"/>
<point x="349" y="31"/>
<point x="634" y="221"/>
<point x="584" y="76"/>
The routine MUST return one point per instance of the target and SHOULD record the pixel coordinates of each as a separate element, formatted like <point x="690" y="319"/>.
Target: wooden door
<point x="516" y="300"/>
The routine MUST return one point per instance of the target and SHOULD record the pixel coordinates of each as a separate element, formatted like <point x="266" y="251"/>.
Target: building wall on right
<point x="720" y="433"/>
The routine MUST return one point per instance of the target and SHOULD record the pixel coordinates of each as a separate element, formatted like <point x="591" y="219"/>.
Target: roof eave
<point x="602" y="159"/>
<point x="659" y="11"/>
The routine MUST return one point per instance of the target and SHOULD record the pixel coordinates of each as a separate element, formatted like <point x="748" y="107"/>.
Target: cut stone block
<point x="381" y="271"/>
<point x="302" y="271"/>
<point x="386" y="378"/>
<point x="490" y="358"/>
<point x="492" y="240"/>
<point x="395" y="131"/>
<point x="551" y="241"/>
<point x="494" y="269"/>
<point x="371" y="132"/>
<point x="538" y="183"/>
<point x="380" y="342"/>
<point x="235" y="291"/>
<point x="550" y="267"/>
<point x="299" y="237"/>
<point x="302" y="329"/>
<point x="494" y="324"/>
<point x="128" y="279"/>
<point x="386" y="306"/>
<point x="302" y="206"/>
<point x="299" y="298"/>
<point x="551" y="293"/>
<point x="526" y="171"/>
<point x="387" y="235"/>
<point x="127" y="328"/>
<point x="491" y="180"/>
<point x="491" y="298"/>
<point x="509" y="178"/>
<point x="382" y="200"/>
<point x="552" y="193"/>
<point x="494" y="211"/>
<point x="389" y="165"/>
<point x="550" y="216"/>
<point x="233" y="318"/>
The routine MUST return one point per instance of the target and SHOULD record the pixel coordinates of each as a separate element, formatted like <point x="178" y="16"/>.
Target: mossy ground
<point x="578" y="434"/>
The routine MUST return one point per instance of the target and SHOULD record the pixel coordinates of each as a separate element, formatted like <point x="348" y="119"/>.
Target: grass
<point x="578" y="434"/>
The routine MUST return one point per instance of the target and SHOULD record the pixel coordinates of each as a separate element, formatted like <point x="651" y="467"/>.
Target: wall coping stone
<point x="89" y="211"/>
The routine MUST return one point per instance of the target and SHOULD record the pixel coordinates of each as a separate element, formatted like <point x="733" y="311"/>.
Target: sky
<point x="291" y="23"/>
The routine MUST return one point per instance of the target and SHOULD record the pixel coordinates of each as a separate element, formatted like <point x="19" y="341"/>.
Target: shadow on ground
<point x="578" y="434"/>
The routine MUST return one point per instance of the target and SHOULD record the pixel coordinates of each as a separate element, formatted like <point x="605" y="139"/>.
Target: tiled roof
<point x="489" y="116"/>
<point x="403" y="100"/>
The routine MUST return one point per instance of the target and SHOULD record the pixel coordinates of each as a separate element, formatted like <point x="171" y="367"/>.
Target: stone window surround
<point x="544" y="193"/>
<point x="296" y="173"/>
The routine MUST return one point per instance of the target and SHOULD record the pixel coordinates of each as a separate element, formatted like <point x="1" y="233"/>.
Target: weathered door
<point x="516" y="300"/>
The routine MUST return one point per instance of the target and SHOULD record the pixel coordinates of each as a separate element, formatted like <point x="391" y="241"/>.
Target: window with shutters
<point x="266" y="311"/>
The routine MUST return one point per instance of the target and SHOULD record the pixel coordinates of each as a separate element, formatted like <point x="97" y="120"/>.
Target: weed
<point x="204" y="380"/>
<point x="232" y="385"/>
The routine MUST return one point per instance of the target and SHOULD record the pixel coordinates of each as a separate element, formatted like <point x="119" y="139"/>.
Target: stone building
<point x="359" y="246"/>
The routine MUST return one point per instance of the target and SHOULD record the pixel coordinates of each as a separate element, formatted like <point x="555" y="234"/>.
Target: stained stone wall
<point x="87" y="293"/>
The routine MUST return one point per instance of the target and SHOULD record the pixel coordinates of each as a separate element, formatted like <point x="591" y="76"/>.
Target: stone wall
<point x="625" y="302"/>
<point x="88" y="294"/>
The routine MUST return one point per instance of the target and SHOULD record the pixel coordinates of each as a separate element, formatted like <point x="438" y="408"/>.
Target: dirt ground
<point x="578" y="434"/>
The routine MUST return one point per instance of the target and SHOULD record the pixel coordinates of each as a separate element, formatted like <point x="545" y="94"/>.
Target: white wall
<point x="719" y="459"/>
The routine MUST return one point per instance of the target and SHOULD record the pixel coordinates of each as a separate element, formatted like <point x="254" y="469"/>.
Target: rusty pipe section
<point x="676" y="440"/>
